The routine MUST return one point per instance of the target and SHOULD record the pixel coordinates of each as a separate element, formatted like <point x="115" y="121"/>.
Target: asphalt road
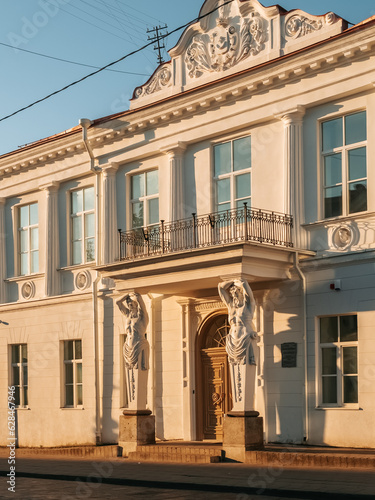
<point x="56" y="479"/>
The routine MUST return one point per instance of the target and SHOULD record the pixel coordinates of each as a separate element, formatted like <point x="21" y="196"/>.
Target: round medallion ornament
<point x="342" y="237"/>
<point x="28" y="290"/>
<point x="83" y="280"/>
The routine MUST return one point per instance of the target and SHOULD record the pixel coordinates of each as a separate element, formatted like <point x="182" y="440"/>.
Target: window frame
<point x="28" y="229"/>
<point x="344" y="150"/>
<point x="82" y="216"/>
<point x="143" y="199"/>
<point x="231" y="176"/>
<point x="74" y="362"/>
<point x="339" y="345"/>
<point x="20" y="365"/>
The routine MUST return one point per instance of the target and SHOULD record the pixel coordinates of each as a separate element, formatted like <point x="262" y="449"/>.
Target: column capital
<point x="293" y="115"/>
<point x="2" y="201"/>
<point x="50" y="186"/>
<point x="175" y="149"/>
<point x="110" y="168"/>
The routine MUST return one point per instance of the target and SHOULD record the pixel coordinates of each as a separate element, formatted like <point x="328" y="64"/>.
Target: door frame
<point x="199" y="390"/>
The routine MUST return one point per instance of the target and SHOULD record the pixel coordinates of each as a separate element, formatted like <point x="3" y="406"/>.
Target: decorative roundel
<point x="83" y="280"/>
<point x="28" y="290"/>
<point x="342" y="237"/>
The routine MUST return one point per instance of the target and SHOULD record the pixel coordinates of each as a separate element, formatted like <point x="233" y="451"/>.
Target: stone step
<point x="138" y="456"/>
<point x="105" y="451"/>
<point x="306" y="459"/>
<point x="182" y="454"/>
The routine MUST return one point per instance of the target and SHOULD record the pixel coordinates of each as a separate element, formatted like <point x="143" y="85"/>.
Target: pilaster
<point x="175" y="153"/>
<point x="52" y="262"/>
<point x="293" y="162"/>
<point x="3" y="269"/>
<point x="188" y="371"/>
<point x="109" y="215"/>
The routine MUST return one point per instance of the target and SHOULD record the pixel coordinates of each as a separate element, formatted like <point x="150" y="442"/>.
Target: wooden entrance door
<point x="215" y="384"/>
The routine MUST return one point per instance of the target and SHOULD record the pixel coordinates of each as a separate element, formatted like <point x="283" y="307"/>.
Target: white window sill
<point x="87" y="265"/>
<point x="27" y="277"/>
<point x="338" y="219"/>
<point x="71" y="408"/>
<point x="351" y="407"/>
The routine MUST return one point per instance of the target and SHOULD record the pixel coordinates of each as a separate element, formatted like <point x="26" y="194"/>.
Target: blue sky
<point x="93" y="32"/>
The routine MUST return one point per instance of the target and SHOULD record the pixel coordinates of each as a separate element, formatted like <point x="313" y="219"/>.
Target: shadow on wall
<point x="284" y="378"/>
<point x="109" y="425"/>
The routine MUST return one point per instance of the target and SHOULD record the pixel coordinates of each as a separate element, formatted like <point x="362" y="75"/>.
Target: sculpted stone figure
<point x="136" y="348"/>
<point x="239" y="299"/>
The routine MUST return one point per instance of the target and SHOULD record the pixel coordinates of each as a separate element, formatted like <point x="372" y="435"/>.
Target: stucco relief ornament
<point x="162" y="79"/>
<point x="136" y="349"/>
<point x="239" y="299"/>
<point x="298" y="26"/>
<point x="225" y="46"/>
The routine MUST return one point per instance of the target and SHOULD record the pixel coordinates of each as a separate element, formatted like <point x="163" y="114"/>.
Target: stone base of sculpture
<point x="243" y="381"/>
<point x="242" y="433"/>
<point x="136" y="385"/>
<point x="136" y="428"/>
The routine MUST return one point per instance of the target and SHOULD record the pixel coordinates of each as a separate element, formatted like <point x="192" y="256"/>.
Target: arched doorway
<point x="214" y="395"/>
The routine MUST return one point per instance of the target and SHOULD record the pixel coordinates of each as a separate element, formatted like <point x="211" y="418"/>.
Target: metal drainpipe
<point x="306" y="396"/>
<point x="85" y="124"/>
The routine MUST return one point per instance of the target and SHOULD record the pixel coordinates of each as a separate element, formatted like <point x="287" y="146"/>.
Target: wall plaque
<point x="289" y="355"/>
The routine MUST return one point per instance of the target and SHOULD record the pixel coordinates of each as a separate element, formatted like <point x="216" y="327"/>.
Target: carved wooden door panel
<point x="215" y="392"/>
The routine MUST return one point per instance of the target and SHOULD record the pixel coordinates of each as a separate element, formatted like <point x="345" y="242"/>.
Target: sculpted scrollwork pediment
<point x="162" y="79"/>
<point x="232" y="37"/>
<point x="229" y="43"/>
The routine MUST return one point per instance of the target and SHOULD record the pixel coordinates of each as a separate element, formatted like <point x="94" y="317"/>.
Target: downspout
<point x="304" y="321"/>
<point x="85" y="124"/>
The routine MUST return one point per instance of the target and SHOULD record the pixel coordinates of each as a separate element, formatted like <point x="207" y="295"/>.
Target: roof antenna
<point x="159" y="35"/>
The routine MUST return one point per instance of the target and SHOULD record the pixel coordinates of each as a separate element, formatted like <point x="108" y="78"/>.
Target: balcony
<point x="199" y="232"/>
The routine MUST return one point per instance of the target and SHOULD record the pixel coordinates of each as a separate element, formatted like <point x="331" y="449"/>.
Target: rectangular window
<point x="232" y="173"/>
<point x="19" y="373"/>
<point x="83" y="225"/>
<point x="28" y="239"/>
<point x="338" y="360"/>
<point x="344" y="157"/>
<point x="145" y="199"/>
<point x="73" y="394"/>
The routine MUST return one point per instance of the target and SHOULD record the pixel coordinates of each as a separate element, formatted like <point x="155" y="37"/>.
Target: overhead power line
<point x="71" y="62"/>
<point x="113" y="63"/>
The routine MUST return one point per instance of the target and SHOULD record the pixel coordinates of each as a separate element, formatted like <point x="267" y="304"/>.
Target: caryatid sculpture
<point x="239" y="299"/>
<point x="136" y="349"/>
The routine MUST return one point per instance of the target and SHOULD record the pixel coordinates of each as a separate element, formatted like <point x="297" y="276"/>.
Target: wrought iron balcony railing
<point x="220" y="228"/>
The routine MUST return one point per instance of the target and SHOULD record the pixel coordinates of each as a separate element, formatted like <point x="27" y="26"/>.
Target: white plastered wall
<point x="43" y="328"/>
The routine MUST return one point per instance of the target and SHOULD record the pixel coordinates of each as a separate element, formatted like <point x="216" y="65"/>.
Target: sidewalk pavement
<point x="272" y="454"/>
<point x="229" y="481"/>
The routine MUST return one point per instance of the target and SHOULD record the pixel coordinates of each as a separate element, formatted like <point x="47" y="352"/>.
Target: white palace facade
<point x="246" y="156"/>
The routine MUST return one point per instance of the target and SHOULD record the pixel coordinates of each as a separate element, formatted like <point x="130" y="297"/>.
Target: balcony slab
<point x="188" y="271"/>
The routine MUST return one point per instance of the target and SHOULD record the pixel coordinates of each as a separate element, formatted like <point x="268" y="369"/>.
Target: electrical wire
<point x="113" y="63"/>
<point x="92" y="24"/>
<point x="126" y="22"/>
<point x="70" y="62"/>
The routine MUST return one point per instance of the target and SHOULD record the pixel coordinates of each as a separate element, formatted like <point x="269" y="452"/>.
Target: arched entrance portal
<point x="214" y="396"/>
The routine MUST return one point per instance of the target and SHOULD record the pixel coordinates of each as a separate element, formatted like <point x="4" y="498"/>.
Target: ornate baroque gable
<point x="231" y="37"/>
